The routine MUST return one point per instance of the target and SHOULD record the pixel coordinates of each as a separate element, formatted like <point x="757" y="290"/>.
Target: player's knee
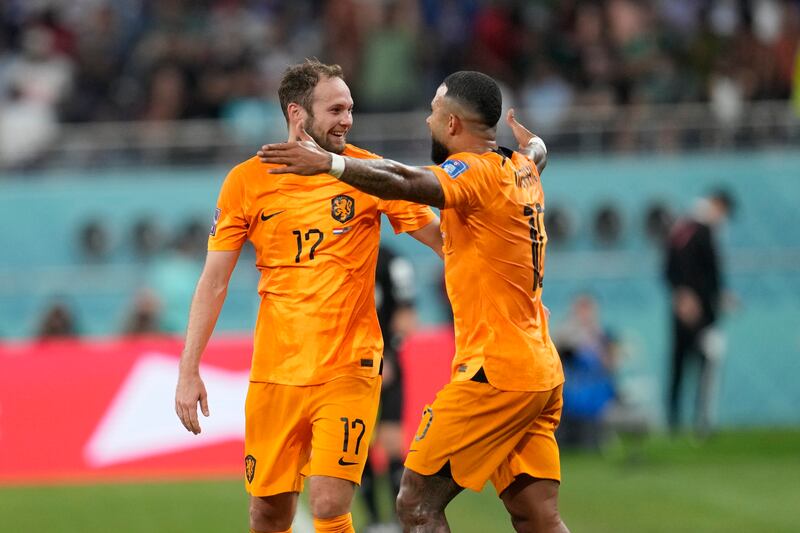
<point x="546" y="518"/>
<point x="406" y="505"/>
<point x="543" y="522"/>
<point x="412" y="509"/>
<point x="329" y="504"/>
<point x="266" y="516"/>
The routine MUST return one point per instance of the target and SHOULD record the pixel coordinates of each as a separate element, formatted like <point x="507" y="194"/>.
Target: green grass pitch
<point x="742" y="481"/>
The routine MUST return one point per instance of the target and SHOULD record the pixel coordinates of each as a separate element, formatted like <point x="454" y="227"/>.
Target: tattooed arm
<point x="383" y="178"/>
<point x="391" y="180"/>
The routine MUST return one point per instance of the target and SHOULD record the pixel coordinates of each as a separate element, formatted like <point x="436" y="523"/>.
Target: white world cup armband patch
<point x="217" y="213"/>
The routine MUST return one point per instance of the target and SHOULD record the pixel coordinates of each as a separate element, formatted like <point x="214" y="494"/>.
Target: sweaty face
<point x="438" y="122"/>
<point x="332" y="114"/>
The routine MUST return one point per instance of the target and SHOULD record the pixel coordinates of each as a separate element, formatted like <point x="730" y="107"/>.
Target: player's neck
<point x="475" y="145"/>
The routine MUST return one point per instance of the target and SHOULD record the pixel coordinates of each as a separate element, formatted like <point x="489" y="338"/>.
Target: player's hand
<point x="687" y="306"/>
<point x="189" y="392"/>
<point x="304" y="157"/>
<point x="521" y="133"/>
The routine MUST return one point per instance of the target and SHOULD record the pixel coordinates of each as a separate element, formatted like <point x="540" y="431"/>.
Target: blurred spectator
<point x="40" y="72"/>
<point x="389" y="78"/>
<point x="173" y="275"/>
<point x="144" y="316"/>
<point x="252" y="117"/>
<point x="27" y="126"/>
<point x="58" y="321"/>
<point x="94" y="240"/>
<point x="589" y="354"/>
<point x="694" y="275"/>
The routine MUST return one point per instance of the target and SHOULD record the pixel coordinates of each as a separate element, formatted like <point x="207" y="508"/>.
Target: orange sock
<point x="284" y="531"/>
<point x="337" y="524"/>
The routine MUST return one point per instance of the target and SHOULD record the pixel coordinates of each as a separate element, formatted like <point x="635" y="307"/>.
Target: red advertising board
<point x="89" y="409"/>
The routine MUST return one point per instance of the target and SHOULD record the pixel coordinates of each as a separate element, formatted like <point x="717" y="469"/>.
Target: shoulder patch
<point x="217" y="213"/>
<point x="454" y="167"/>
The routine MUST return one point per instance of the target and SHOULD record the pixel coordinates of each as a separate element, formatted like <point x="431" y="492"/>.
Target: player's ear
<point x="453" y="124"/>
<point x="296" y="112"/>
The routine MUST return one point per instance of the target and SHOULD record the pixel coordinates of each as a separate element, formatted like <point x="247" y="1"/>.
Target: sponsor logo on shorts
<point x="250" y="468"/>
<point x="342" y="462"/>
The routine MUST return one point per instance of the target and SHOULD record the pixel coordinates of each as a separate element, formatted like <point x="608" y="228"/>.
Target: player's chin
<point x="336" y="143"/>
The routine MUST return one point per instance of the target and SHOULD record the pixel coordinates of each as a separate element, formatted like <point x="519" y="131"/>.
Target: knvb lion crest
<point x="250" y="467"/>
<point x="343" y="208"/>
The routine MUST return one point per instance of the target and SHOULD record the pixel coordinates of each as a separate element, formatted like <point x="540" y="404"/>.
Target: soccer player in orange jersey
<point x="497" y="417"/>
<point x="315" y="375"/>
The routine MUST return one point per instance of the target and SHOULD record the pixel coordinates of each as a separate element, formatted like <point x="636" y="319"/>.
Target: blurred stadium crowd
<point x="99" y="60"/>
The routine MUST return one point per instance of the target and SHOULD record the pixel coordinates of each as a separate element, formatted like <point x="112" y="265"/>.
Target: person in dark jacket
<point x="693" y="273"/>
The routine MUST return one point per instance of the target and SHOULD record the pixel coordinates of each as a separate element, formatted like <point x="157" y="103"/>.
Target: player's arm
<point x="430" y="235"/>
<point x="206" y="306"/>
<point x="383" y="178"/>
<point x="530" y="144"/>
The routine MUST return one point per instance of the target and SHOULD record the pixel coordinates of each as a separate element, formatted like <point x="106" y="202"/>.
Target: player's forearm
<point x="431" y="236"/>
<point x="536" y="151"/>
<point x="391" y="180"/>
<point x="206" y="306"/>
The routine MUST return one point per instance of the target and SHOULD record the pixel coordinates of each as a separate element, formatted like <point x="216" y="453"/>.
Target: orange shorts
<point x="314" y="430"/>
<point x="486" y="433"/>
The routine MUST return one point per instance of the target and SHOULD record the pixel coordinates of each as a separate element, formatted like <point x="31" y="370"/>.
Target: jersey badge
<point x="250" y="468"/>
<point x="217" y="213"/>
<point x="341" y="231"/>
<point x="454" y="167"/>
<point x="343" y="208"/>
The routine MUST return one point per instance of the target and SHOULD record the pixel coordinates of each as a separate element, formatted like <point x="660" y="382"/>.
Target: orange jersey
<point x="494" y="246"/>
<point x="316" y="242"/>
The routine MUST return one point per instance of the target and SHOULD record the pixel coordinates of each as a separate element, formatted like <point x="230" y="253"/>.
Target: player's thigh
<point x="343" y="413"/>
<point x="277" y="438"/>
<point x="536" y="454"/>
<point x="474" y="427"/>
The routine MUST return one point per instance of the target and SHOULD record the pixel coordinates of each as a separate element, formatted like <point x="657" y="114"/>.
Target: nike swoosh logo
<point x="267" y="217"/>
<point x="346" y="463"/>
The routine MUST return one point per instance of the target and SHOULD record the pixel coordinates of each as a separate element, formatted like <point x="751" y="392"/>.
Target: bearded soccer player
<point x="496" y="419"/>
<point x="315" y="376"/>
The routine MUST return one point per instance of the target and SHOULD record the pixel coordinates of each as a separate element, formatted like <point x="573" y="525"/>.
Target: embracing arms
<point x="383" y="178"/>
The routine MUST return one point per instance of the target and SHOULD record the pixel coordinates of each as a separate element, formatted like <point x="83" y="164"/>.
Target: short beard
<point x="439" y="152"/>
<point x="321" y="138"/>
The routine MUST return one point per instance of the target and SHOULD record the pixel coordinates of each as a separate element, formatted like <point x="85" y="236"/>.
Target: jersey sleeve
<point x="464" y="182"/>
<point x="406" y="216"/>
<point x="229" y="229"/>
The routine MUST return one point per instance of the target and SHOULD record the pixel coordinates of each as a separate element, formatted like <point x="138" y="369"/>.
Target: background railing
<point x="575" y="130"/>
